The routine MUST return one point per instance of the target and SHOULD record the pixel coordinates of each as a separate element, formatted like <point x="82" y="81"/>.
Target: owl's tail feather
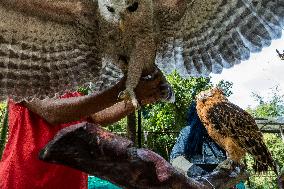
<point x="260" y="167"/>
<point x="262" y="158"/>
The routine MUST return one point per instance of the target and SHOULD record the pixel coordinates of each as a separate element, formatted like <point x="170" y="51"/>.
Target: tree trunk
<point x="131" y="127"/>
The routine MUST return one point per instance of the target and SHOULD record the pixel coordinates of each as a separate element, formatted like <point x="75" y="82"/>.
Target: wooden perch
<point x="91" y="149"/>
<point x="224" y="179"/>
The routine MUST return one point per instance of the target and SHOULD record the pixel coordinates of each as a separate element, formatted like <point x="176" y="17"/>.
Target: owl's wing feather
<point x="216" y="34"/>
<point x="110" y="75"/>
<point x="231" y="121"/>
<point x="42" y="57"/>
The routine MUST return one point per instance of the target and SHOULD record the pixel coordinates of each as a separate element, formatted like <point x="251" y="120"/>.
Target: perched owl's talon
<point x="227" y="164"/>
<point x="129" y="95"/>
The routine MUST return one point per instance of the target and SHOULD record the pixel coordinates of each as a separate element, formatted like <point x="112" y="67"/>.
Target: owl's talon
<point x="135" y="103"/>
<point x="129" y="95"/>
<point x="227" y="164"/>
<point x="122" y="95"/>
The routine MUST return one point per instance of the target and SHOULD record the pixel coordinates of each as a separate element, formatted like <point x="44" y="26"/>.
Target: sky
<point x="260" y="74"/>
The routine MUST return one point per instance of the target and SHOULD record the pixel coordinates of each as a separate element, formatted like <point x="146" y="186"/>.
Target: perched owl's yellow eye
<point x="133" y="7"/>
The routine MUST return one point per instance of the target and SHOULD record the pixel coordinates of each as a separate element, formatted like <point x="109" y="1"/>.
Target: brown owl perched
<point x="50" y="46"/>
<point x="233" y="129"/>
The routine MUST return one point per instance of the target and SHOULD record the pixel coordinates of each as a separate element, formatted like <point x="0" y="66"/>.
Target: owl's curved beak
<point x="121" y="25"/>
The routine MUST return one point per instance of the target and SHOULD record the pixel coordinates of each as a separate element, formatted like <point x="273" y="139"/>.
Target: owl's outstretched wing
<point x="214" y="34"/>
<point x="110" y="75"/>
<point x="47" y="47"/>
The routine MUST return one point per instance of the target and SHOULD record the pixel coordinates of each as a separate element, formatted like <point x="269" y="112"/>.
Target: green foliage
<point x="276" y="146"/>
<point x="119" y="126"/>
<point x="3" y="127"/>
<point x="272" y="107"/>
<point x="226" y="87"/>
<point x="84" y="90"/>
<point x="164" y="116"/>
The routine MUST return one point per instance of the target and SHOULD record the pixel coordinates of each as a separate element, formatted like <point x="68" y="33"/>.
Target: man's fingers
<point x="167" y="92"/>
<point x="164" y="87"/>
<point x="159" y="92"/>
<point x="154" y="88"/>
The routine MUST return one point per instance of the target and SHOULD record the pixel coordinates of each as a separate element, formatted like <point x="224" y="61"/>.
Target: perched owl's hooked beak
<point x="121" y="25"/>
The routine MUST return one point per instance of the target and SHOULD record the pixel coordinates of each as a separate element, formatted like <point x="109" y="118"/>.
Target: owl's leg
<point x="128" y="94"/>
<point x="142" y="57"/>
<point x="234" y="154"/>
<point x="133" y="76"/>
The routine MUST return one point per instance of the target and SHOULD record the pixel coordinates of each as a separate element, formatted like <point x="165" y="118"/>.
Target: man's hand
<point x="152" y="88"/>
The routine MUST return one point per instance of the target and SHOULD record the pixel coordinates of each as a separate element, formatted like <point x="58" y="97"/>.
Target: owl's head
<point x="120" y="12"/>
<point x="213" y="93"/>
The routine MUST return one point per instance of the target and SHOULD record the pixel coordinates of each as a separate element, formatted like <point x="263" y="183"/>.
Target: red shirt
<point x="20" y="167"/>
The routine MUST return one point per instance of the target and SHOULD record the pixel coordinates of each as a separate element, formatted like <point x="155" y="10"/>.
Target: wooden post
<point x="131" y="127"/>
<point x="281" y="132"/>
<point x="139" y="131"/>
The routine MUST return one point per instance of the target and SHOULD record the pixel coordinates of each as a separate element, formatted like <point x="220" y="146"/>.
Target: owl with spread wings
<point x="50" y="46"/>
<point x="233" y="129"/>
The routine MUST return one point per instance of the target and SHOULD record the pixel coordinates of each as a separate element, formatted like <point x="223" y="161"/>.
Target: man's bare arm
<point x="122" y="109"/>
<point x="112" y="114"/>
<point x="63" y="110"/>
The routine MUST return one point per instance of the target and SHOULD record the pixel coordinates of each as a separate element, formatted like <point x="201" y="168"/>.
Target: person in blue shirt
<point x="195" y="153"/>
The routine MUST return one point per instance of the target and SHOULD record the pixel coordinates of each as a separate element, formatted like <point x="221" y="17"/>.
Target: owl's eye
<point x="133" y="7"/>
<point x="110" y="9"/>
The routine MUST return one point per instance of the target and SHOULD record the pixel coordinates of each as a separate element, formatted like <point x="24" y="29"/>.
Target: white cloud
<point x="259" y="74"/>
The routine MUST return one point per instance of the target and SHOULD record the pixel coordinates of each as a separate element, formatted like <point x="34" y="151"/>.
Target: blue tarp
<point x="97" y="183"/>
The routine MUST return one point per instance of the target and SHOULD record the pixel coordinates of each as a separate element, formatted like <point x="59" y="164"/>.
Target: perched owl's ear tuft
<point x="133" y="7"/>
<point x="217" y="90"/>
